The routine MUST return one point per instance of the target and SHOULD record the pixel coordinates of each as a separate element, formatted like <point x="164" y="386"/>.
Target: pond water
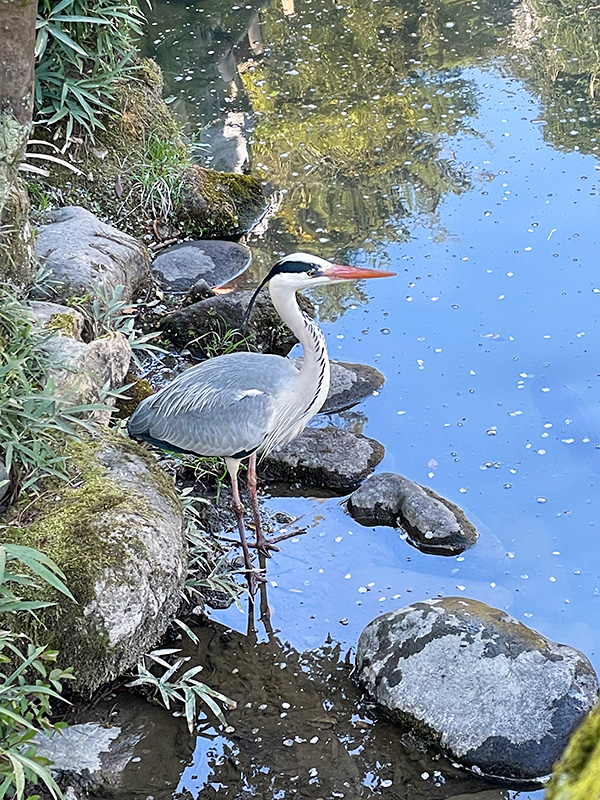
<point x="455" y="143"/>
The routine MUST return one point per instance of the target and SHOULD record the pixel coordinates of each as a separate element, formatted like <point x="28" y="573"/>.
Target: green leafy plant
<point x="107" y="312"/>
<point x="214" y="343"/>
<point x="37" y="564"/>
<point x="29" y="681"/>
<point x="33" y="420"/>
<point x="210" y="565"/>
<point x="177" y="688"/>
<point x="82" y="48"/>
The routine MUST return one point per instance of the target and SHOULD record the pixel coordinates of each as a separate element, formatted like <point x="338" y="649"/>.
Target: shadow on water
<point x="301" y="730"/>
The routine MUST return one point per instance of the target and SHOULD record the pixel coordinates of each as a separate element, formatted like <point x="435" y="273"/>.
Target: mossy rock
<point x="138" y="391"/>
<point x="219" y="204"/>
<point x="577" y="774"/>
<point x="116" y="532"/>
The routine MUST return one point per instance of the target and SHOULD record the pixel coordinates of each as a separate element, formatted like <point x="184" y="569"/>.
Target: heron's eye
<point x="313" y="272"/>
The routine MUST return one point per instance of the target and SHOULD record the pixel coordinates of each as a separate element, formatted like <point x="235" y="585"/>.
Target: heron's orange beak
<point x="339" y="272"/>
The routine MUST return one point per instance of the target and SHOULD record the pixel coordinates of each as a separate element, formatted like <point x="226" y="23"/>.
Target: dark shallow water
<point x="428" y="141"/>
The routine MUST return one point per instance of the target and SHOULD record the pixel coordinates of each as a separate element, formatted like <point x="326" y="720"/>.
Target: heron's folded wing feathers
<point x="212" y="411"/>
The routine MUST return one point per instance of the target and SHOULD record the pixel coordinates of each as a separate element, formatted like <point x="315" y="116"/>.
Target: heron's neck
<point x="315" y="366"/>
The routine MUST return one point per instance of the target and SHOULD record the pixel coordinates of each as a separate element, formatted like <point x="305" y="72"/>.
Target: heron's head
<point x="303" y="271"/>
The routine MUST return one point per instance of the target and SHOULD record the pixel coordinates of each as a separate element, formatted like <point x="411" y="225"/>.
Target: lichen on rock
<point x="497" y="696"/>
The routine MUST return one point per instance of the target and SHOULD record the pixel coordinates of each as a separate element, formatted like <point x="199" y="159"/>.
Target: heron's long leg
<point x="262" y="543"/>
<point x="233" y="465"/>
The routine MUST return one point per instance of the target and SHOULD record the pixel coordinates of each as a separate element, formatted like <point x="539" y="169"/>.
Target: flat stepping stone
<point x="179" y="267"/>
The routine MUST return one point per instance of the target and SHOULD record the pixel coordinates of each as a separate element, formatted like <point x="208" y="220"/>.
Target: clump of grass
<point x="158" y="179"/>
<point x="214" y="343"/>
<point x="162" y="672"/>
<point x="28" y="679"/>
<point x="33" y="420"/>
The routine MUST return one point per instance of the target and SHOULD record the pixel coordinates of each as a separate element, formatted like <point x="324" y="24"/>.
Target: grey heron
<point x="241" y="405"/>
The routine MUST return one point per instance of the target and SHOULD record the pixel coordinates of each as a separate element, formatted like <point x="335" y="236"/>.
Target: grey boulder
<point x="432" y="523"/>
<point x="81" y="373"/>
<point x="86" y="254"/>
<point x="497" y="696"/>
<point x="329" y="458"/>
<point x="64" y="320"/>
<point x="179" y="267"/>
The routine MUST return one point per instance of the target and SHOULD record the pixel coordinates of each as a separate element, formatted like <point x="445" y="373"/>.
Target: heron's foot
<point x="265" y="544"/>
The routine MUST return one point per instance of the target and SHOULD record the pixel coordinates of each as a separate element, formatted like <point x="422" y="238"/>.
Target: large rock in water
<point x="498" y="696"/>
<point x="329" y="458"/>
<point x="219" y="204"/>
<point x="179" y="267"/>
<point x="116" y="532"/>
<point x="85" y="254"/>
<point x="432" y="523"/>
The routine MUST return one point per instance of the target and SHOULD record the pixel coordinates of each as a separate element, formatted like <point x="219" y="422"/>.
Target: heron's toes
<point x="264" y="545"/>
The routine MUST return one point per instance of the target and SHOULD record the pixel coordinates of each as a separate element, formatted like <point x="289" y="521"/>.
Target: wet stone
<point x="91" y="759"/>
<point x="350" y="383"/>
<point x="85" y="254"/>
<point x="179" y="267"/>
<point x="497" y="696"/>
<point x="577" y="774"/>
<point x="328" y="458"/>
<point x="432" y="523"/>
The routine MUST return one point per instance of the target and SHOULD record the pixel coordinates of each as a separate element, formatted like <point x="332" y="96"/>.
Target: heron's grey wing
<point x="222" y="407"/>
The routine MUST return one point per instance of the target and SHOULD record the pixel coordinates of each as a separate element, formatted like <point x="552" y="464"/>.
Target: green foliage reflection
<point x="562" y="60"/>
<point x="353" y="105"/>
